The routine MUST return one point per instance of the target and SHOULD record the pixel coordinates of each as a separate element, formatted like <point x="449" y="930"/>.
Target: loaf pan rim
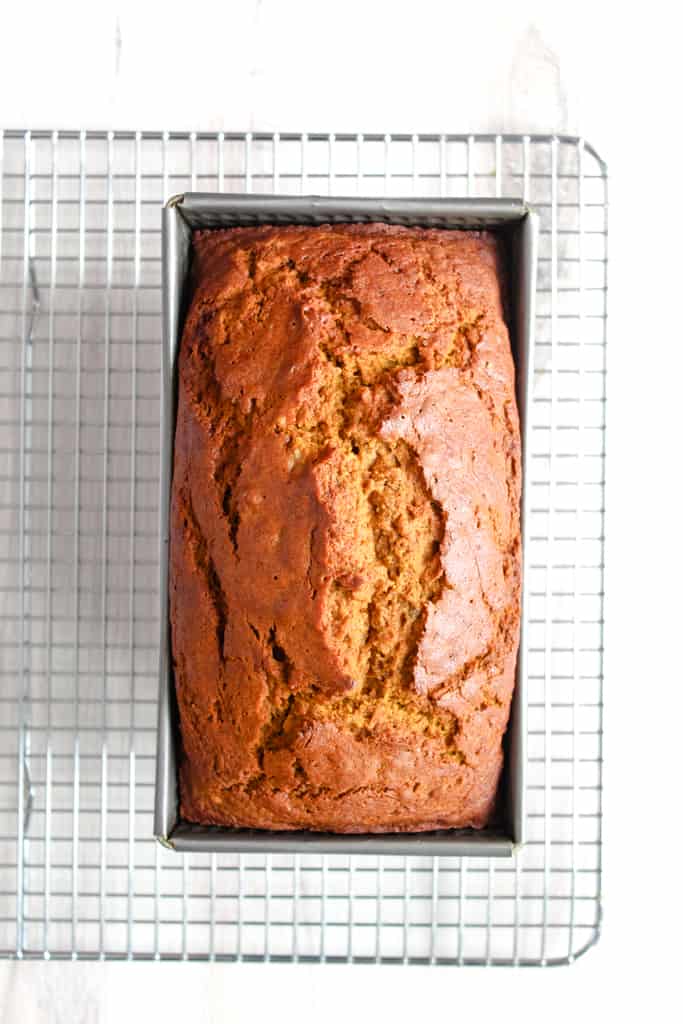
<point x="182" y="213"/>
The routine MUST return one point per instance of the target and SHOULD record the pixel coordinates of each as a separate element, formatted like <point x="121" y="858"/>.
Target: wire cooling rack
<point x="80" y="874"/>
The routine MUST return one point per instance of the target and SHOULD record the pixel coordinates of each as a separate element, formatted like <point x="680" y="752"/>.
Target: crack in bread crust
<point x="312" y="520"/>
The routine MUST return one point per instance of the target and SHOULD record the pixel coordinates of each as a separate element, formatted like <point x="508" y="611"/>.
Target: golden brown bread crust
<point x="345" y="546"/>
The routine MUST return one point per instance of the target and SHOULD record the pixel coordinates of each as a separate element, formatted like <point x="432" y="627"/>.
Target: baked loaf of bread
<point x="345" y="543"/>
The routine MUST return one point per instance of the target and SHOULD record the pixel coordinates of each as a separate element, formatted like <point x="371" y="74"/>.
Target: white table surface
<point x="575" y="68"/>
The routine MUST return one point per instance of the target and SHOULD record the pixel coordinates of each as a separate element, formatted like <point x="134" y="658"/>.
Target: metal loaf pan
<point x="181" y="215"/>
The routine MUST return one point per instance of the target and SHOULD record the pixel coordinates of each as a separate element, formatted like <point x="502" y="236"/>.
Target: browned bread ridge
<point x="345" y="544"/>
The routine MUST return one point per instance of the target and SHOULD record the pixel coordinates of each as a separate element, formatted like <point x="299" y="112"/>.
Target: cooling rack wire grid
<point x="80" y="346"/>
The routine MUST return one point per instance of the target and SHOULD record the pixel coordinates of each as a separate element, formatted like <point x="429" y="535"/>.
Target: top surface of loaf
<point x="345" y="528"/>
